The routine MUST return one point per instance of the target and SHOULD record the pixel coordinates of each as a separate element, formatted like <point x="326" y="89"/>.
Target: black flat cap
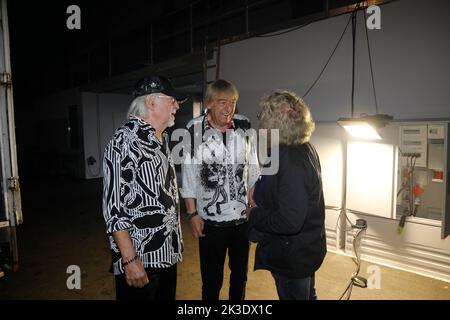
<point x="157" y="84"/>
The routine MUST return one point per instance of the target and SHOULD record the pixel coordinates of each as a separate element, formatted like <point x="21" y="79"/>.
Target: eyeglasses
<point x="172" y="100"/>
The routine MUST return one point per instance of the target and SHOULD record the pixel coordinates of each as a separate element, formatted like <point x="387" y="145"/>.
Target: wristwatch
<point x="191" y="215"/>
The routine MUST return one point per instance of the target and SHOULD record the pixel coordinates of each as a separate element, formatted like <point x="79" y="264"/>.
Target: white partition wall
<point x="81" y="124"/>
<point x="327" y="139"/>
<point x="419" y="249"/>
<point x="102" y="115"/>
<point x="409" y="56"/>
<point x="412" y="73"/>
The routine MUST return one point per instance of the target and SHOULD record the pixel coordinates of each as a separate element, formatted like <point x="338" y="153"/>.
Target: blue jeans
<point x="295" y="289"/>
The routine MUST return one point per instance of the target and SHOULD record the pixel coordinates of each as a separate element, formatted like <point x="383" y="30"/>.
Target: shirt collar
<point x="143" y="125"/>
<point x="207" y="125"/>
<point x="148" y="129"/>
<point x="147" y="126"/>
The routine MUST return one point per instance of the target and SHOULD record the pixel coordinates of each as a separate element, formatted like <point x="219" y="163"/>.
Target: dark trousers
<point x="213" y="249"/>
<point x="162" y="286"/>
<point x="295" y="289"/>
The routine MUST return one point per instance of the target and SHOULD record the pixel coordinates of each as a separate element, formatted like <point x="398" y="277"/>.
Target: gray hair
<point x="286" y="111"/>
<point x="138" y="107"/>
<point x="220" y="86"/>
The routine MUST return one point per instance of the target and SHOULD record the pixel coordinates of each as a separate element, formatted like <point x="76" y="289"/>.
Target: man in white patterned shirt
<point x="140" y="196"/>
<point x="218" y="177"/>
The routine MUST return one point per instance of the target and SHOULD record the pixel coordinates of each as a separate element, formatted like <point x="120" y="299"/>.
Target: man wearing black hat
<point x="140" y="195"/>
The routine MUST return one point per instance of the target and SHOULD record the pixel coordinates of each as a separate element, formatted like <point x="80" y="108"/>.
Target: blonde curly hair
<point x="286" y="111"/>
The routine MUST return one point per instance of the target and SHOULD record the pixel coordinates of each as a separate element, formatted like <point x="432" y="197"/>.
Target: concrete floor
<point x="64" y="226"/>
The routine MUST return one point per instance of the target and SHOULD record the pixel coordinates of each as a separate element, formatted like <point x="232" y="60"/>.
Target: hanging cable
<point x="282" y="32"/>
<point x="370" y="61"/>
<point x="356" y="280"/>
<point x="361" y="225"/>
<point x="329" y="59"/>
<point x="346" y="218"/>
<point x="353" y="17"/>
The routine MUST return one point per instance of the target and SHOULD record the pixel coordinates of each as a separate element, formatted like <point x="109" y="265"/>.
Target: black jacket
<point x="290" y="215"/>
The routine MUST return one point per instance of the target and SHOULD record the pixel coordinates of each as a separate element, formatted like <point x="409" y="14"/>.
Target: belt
<point x="221" y="224"/>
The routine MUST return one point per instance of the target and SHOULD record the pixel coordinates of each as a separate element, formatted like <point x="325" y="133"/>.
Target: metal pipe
<point x="9" y="93"/>
<point x="16" y="206"/>
<point x="9" y="102"/>
<point x="354" y="13"/>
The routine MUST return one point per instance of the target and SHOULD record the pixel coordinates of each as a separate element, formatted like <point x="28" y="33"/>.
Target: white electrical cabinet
<point x="405" y="176"/>
<point x="423" y="175"/>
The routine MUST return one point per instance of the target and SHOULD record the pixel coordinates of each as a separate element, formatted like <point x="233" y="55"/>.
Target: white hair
<point x="138" y="107"/>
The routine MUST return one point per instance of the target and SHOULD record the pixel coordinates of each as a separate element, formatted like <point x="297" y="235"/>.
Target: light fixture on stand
<point x="366" y="126"/>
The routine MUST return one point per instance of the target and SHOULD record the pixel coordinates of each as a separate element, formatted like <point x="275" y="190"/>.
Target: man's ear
<point x="150" y="102"/>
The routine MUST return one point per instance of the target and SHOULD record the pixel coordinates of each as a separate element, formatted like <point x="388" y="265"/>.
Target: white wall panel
<point x="412" y="73"/>
<point x="419" y="249"/>
<point x="327" y="140"/>
<point x="102" y="115"/>
<point x="409" y="54"/>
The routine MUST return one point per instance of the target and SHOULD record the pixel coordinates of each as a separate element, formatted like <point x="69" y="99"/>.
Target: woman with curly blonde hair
<point x="286" y="112"/>
<point x="289" y="214"/>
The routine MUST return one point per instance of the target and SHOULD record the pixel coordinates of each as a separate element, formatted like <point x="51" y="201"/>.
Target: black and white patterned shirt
<point x="140" y="194"/>
<point x="220" y="169"/>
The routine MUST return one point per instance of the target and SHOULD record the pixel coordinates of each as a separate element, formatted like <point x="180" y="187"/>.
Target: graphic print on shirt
<point x="219" y="169"/>
<point x="214" y="177"/>
<point x="240" y="186"/>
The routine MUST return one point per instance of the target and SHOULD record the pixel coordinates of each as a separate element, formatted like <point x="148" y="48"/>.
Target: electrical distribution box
<point x="423" y="166"/>
<point x="413" y="143"/>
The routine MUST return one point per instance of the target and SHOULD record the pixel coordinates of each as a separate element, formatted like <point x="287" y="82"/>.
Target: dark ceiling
<point x="118" y="42"/>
